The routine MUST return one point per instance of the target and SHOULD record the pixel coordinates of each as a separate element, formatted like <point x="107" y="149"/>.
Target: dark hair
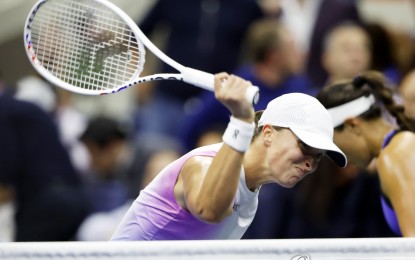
<point x="262" y="37"/>
<point x="382" y="50"/>
<point x="258" y="129"/>
<point x="102" y="130"/>
<point x="346" y="25"/>
<point x="370" y="82"/>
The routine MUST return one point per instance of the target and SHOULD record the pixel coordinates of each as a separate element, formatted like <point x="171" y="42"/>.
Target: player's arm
<point x="210" y="184"/>
<point x="397" y="175"/>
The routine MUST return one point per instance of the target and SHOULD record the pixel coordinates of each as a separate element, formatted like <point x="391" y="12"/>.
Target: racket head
<point x="83" y="46"/>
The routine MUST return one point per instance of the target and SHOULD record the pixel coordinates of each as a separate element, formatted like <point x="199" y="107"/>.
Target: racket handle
<point x="207" y="81"/>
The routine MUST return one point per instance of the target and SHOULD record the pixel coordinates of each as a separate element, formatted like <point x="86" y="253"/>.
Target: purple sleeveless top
<point x="156" y="215"/>
<point x="388" y="211"/>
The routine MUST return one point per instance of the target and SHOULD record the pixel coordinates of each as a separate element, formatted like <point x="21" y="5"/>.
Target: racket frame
<point x="189" y="75"/>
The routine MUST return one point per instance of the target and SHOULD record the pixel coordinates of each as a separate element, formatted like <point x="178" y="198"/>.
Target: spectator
<point x="106" y="181"/>
<point x="59" y="105"/>
<point x="310" y="21"/>
<point x="36" y="168"/>
<point x="347" y="52"/>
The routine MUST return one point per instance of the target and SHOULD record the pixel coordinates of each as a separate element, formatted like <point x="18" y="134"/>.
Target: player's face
<point x="407" y="93"/>
<point x="354" y="146"/>
<point x="290" y="160"/>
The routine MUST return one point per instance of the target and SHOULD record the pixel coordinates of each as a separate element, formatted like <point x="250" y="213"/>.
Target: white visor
<point x="351" y="109"/>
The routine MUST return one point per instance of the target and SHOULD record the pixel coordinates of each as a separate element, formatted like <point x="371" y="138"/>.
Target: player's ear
<point x="353" y="125"/>
<point x="267" y="134"/>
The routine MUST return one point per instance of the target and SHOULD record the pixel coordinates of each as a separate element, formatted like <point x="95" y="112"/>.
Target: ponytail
<point x="377" y="85"/>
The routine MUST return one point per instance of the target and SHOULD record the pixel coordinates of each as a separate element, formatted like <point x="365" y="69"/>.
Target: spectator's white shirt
<point x="299" y="17"/>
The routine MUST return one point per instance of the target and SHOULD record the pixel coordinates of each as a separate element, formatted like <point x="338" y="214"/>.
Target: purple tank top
<point x="388" y="211"/>
<point x="156" y="215"/>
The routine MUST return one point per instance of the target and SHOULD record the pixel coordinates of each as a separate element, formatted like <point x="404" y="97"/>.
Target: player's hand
<point x="230" y="90"/>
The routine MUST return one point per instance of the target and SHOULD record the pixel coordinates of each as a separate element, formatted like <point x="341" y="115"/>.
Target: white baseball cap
<point x="308" y="119"/>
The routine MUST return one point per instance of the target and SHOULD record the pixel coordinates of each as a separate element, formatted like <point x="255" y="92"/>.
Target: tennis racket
<point x="92" y="47"/>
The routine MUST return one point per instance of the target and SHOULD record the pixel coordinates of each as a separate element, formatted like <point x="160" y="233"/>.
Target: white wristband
<point x="238" y="134"/>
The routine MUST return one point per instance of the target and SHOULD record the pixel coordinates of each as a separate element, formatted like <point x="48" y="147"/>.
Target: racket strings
<point x="85" y="44"/>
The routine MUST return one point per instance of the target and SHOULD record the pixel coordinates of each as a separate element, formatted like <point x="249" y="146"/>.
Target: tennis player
<point x="363" y="132"/>
<point x="212" y="191"/>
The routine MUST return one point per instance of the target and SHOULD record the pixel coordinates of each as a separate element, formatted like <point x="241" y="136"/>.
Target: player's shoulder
<point x="402" y="141"/>
<point x="201" y="157"/>
<point x="399" y="148"/>
<point x="210" y="149"/>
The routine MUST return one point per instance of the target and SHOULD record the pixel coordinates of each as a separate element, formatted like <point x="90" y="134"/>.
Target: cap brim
<point x="319" y="141"/>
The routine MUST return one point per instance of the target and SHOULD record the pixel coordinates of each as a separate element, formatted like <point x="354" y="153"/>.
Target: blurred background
<point x="70" y="165"/>
<point x="396" y="14"/>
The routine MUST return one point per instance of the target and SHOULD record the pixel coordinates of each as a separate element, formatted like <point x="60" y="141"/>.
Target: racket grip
<point x="207" y="81"/>
<point x="199" y="78"/>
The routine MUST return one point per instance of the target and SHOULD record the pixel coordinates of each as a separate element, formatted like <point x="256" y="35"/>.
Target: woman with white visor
<point x="370" y="125"/>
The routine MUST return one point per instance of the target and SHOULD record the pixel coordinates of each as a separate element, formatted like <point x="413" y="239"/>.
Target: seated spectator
<point x="106" y="181"/>
<point x="347" y="52"/>
<point x="310" y="20"/>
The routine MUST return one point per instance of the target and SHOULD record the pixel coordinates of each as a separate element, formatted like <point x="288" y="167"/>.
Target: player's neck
<point x="377" y="132"/>
<point x="254" y="166"/>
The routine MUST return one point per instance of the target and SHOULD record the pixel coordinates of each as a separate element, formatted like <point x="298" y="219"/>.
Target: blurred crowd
<point x="70" y="165"/>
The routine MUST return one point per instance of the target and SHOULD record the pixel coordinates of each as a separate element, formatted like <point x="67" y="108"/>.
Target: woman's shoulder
<point x="401" y="142"/>
<point x="398" y="154"/>
<point x="206" y="150"/>
<point x="201" y="155"/>
<point x="395" y="164"/>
